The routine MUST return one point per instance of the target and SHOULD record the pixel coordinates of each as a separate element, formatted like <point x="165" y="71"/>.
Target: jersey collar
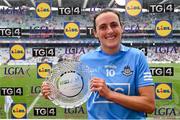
<point x="123" y="48"/>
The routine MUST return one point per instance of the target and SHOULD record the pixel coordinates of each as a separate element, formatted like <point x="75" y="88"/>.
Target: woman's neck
<point x="111" y="51"/>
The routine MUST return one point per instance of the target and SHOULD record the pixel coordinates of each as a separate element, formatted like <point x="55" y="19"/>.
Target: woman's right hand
<point x="45" y="90"/>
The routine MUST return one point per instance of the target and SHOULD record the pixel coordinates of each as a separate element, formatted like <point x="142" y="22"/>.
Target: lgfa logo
<point x="43" y="69"/>
<point x="43" y="10"/>
<point x="17" y="52"/>
<point x="133" y="7"/>
<point x="163" y="91"/>
<point x="18" y="110"/>
<point x="163" y="28"/>
<point x="71" y="30"/>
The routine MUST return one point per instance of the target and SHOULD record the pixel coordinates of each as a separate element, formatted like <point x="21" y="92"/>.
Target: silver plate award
<point x="69" y="84"/>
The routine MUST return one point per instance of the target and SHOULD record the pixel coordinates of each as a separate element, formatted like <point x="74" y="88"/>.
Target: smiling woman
<point x="117" y="95"/>
<point x="108" y="30"/>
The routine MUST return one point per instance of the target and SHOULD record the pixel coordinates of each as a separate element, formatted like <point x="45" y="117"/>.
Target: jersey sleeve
<point x="143" y="74"/>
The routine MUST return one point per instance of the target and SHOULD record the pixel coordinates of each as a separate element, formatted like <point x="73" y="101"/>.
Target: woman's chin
<point x="113" y="46"/>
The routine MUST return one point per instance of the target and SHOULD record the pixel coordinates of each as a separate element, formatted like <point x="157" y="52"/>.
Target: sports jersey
<point x="124" y="72"/>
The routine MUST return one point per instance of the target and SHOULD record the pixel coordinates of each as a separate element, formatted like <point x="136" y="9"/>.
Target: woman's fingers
<point x="45" y="90"/>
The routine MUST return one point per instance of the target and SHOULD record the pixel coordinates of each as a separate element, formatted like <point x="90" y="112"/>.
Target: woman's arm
<point x="145" y="102"/>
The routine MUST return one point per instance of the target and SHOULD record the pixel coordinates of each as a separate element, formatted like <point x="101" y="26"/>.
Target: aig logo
<point x="18" y="111"/>
<point x="71" y="30"/>
<point x="123" y="88"/>
<point x="43" y="10"/>
<point x="163" y="91"/>
<point x="43" y="69"/>
<point x="17" y="51"/>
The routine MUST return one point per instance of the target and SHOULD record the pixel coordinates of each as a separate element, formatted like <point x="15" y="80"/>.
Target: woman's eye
<point x="102" y="27"/>
<point x="114" y="25"/>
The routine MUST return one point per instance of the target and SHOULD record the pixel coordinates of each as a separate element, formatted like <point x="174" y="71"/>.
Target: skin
<point x="45" y="90"/>
<point x="109" y="32"/>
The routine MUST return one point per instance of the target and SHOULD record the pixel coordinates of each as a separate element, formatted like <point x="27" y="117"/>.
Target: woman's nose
<point x="109" y="29"/>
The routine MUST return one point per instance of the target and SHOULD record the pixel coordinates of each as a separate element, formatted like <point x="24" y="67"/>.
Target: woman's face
<point x="108" y="30"/>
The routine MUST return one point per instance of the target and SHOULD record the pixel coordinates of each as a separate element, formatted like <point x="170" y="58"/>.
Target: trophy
<point x="69" y="83"/>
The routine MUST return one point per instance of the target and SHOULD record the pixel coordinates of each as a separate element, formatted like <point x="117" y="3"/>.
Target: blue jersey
<point x="124" y="72"/>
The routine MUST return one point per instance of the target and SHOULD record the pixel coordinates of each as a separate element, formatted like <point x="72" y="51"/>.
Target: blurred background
<point x="36" y="34"/>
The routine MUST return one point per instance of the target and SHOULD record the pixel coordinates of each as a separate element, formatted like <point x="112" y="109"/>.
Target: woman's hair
<point x="104" y="11"/>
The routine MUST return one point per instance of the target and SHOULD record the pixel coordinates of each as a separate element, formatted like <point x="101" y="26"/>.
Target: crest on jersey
<point x="127" y="71"/>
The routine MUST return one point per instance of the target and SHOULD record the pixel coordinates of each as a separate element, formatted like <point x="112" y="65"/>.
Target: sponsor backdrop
<point x="33" y="39"/>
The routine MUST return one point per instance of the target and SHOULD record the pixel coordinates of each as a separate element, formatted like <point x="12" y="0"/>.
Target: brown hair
<point x="104" y="11"/>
